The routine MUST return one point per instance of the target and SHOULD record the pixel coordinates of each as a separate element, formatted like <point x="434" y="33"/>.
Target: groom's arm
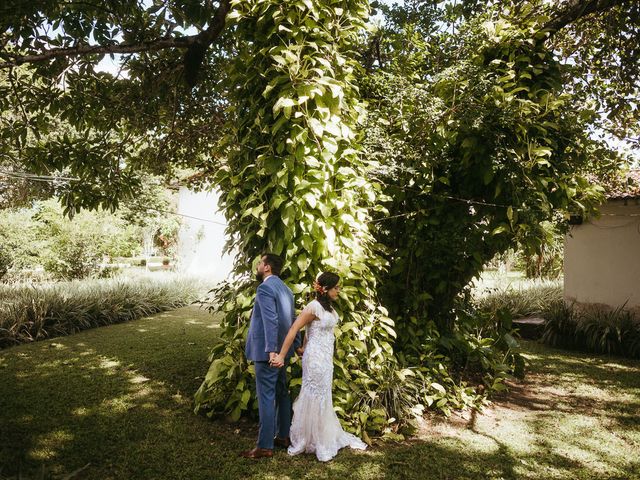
<point x="267" y="301"/>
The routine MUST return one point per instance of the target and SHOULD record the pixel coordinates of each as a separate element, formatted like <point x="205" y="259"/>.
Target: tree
<point x="110" y="129"/>
<point x="478" y="153"/>
<point x="473" y="137"/>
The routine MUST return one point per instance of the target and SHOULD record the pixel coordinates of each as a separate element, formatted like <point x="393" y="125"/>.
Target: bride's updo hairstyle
<point x="325" y="282"/>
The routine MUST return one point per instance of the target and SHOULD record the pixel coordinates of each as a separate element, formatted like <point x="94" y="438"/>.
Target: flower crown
<point x="319" y="288"/>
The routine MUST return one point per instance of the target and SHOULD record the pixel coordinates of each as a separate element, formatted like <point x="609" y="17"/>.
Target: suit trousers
<point x="274" y="403"/>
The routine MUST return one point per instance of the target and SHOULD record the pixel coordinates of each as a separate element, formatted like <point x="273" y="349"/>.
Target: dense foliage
<point x="39" y="242"/>
<point x="483" y="152"/>
<point x="292" y="182"/>
<point x="483" y="123"/>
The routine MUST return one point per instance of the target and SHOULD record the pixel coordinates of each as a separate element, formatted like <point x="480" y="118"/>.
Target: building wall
<point x="602" y="257"/>
<point x="201" y="239"/>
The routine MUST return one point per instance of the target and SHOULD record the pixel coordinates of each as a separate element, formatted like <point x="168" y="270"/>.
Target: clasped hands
<point x="277" y="361"/>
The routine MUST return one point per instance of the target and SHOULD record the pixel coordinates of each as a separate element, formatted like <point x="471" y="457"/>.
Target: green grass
<point x="115" y="403"/>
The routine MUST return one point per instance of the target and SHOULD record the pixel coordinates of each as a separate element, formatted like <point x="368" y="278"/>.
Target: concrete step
<point x="529" y="327"/>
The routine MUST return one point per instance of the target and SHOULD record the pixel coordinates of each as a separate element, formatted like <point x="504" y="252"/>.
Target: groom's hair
<point x="274" y="261"/>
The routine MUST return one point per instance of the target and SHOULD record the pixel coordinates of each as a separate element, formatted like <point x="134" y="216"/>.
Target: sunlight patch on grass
<point x="143" y="392"/>
<point x="109" y="364"/>
<point x="48" y="445"/>
<point x="117" y="405"/>
<point x="179" y="399"/>
<point x="619" y="367"/>
<point x="582" y="440"/>
<point x="52" y="365"/>
<point x="138" y="379"/>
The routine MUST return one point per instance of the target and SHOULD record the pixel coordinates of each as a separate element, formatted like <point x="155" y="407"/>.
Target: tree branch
<point x="202" y="40"/>
<point x="81" y="50"/>
<point x="194" y="55"/>
<point x="577" y="9"/>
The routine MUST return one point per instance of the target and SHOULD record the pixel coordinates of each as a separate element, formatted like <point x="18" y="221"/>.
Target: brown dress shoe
<point x="282" y="442"/>
<point x="257" y="453"/>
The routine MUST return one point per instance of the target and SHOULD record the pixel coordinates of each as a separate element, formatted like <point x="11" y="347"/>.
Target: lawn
<point x="115" y="403"/>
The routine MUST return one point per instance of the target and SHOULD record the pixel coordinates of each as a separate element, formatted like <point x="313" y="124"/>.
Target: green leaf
<point x="310" y="199"/>
<point x="316" y="127"/>
<point x="438" y="387"/>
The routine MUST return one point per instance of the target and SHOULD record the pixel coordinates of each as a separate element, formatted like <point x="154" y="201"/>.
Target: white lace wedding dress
<point x="315" y="427"/>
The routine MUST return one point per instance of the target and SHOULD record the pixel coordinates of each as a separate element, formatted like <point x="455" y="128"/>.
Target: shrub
<point x="71" y="249"/>
<point x="605" y="331"/>
<point x="529" y="300"/>
<point x="592" y="329"/>
<point x="29" y="313"/>
<point x="5" y="262"/>
<point x="73" y="257"/>
<point x="560" y="327"/>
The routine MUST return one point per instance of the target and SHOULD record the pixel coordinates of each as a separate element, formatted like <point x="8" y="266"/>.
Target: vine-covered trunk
<point x="293" y="182"/>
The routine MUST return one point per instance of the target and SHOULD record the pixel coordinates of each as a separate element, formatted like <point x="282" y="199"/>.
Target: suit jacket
<point x="271" y="318"/>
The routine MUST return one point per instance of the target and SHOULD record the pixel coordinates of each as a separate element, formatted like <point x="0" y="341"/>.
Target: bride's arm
<point x="303" y="319"/>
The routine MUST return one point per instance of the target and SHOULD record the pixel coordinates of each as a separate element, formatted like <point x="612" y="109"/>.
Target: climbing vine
<point x="293" y="183"/>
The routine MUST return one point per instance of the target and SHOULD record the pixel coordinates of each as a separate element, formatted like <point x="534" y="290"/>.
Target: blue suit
<point x="272" y="316"/>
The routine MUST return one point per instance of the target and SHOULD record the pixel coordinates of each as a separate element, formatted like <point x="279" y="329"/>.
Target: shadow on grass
<point x="589" y="368"/>
<point x="115" y="403"/>
<point x="571" y="382"/>
<point x="103" y="397"/>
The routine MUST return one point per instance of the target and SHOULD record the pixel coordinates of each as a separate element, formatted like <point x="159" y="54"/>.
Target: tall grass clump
<point x="594" y="329"/>
<point x="560" y="325"/>
<point x="526" y="300"/>
<point x="34" y="312"/>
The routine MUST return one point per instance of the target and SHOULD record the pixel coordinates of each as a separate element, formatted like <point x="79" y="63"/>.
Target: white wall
<point x="201" y="239"/>
<point x="602" y="257"/>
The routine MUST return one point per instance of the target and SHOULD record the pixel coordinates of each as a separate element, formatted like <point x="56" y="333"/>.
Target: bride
<point x="315" y="427"/>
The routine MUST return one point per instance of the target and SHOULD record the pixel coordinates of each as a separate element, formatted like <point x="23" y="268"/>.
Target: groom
<point x="272" y="316"/>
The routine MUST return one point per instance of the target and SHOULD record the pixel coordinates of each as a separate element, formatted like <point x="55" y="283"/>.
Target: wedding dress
<point x="315" y="427"/>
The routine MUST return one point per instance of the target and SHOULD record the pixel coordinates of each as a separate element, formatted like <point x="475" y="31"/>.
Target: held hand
<point x="275" y="360"/>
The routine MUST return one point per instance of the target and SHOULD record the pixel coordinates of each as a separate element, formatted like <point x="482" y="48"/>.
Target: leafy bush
<point x="29" y="313"/>
<point x="42" y="236"/>
<point x="73" y="257"/>
<point x="606" y="331"/>
<point x="20" y="240"/>
<point x="5" y="261"/>
<point x="484" y="348"/>
<point x="460" y="369"/>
